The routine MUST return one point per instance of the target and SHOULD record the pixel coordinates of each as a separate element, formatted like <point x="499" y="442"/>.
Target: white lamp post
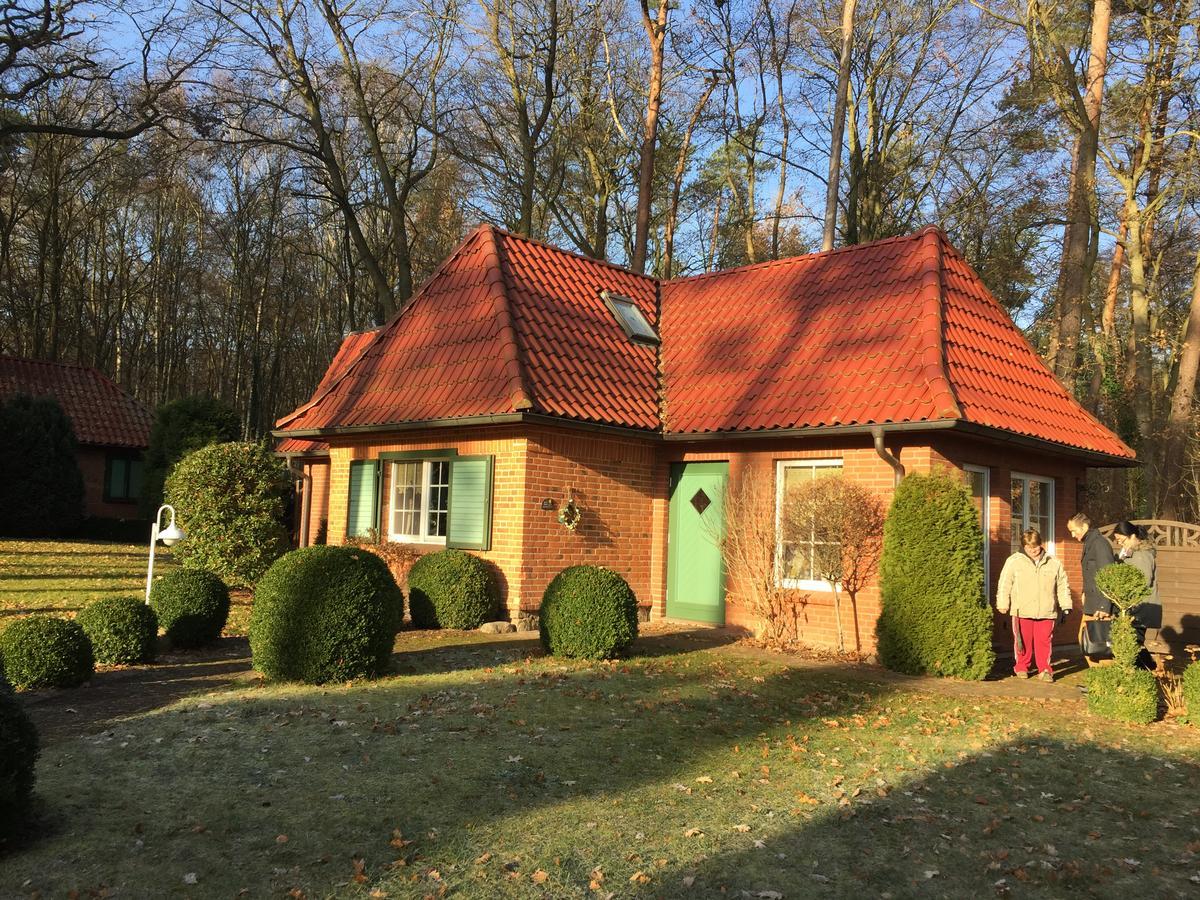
<point x="170" y="536"/>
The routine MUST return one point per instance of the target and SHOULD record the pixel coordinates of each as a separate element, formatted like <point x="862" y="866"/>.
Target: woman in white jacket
<point x="1033" y="587"/>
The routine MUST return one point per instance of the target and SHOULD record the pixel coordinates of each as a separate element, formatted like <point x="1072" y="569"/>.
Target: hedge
<point x="43" y="651"/>
<point x="18" y="760"/>
<point x="192" y="606"/>
<point x="451" y="589"/>
<point x="1191" y="692"/>
<point x="588" y="612"/>
<point x="123" y="630"/>
<point x="231" y="500"/>
<point x="41" y="492"/>
<point x="934" y="617"/>
<point x="181" y="427"/>
<point x="325" y="614"/>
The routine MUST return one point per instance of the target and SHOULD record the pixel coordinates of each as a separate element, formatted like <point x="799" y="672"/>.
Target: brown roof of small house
<point x="100" y="412"/>
<point x="895" y="331"/>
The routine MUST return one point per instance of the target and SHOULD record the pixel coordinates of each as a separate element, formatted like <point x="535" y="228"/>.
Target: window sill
<point x="799" y="585"/>
<point x="416" y="542"/>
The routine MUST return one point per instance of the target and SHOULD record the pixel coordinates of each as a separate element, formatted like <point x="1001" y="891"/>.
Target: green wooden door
<point x="695" y="572"/>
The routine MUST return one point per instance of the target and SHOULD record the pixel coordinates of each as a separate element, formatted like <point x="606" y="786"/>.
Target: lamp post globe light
<point x="170" y="536"/>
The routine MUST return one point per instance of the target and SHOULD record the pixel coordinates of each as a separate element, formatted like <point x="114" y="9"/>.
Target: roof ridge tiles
<point x="497" y="282"/>
<point x="938" y="370"/>
<point x="496" y="229"/>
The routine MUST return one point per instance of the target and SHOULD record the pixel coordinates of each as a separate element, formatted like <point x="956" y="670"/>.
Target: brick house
<point x="111" y="428"/>
<point x="523" y="380"/>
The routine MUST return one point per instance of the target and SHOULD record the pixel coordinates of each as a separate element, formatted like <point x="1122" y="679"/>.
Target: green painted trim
<point x="418" y="454"/>
<point x="486" y="542"/>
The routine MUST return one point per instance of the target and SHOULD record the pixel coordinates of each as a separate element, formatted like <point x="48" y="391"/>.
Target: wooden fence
<point x="1177" y="545"/>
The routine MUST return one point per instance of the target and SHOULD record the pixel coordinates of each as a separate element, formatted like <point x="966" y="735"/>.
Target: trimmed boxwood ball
<point x="1122" y="693"/>
<point x="123" y="630"/>
<point x="43" y="651"/>
<point x="192" y="606"/>
<point x="325" y="614"/>
<point x="588" y="612"/>
<point x="18" y="757"/>
<point x="451" y="589"/>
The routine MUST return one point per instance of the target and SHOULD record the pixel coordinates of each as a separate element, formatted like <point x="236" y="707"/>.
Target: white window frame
<point x="986" y="520"/>
<point x="796" y="584"/>
<point x="424" y="537"/>
<point x="1048" y="483"/>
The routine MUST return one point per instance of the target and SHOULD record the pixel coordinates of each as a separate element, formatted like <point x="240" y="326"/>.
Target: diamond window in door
<point x="701" y="501"/>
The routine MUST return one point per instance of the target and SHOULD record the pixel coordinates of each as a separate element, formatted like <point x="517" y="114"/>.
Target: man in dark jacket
<point x="1097" y="553"/>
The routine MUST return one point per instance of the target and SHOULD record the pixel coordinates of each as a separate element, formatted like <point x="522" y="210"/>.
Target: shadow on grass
<point x="1030" y="818"/>
<point x="115" y="694"/>
<point x="558" y="767"/>
<point x="29" y="610"/>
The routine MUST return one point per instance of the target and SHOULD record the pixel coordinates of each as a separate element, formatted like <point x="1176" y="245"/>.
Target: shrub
<point x="123" y="630"/>
<point x="18" y="758"/>
<point x="1124" y="585"/>
<point x="179" y="428"/>
<point x="1119" y="692"/>
<point x="42" y="651"/>
<point x="451" y="589"/>
<point x="1191" y="692"/>
<point x="934" y="617"/>
<point x="1125" y="644"/>
<point x="231" y="500"/>
<point x="192" y="606"/>
<point x="325" y="614"/>
<point x="588" y="612"/>
<point x="41" y="492"/>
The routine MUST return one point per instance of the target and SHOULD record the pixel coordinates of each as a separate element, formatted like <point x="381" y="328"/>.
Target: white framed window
<point x="979" y="480"/>
<point x="794" y="551"/>
<point x="1032" y="507"/>
<point x="420" y="501"/>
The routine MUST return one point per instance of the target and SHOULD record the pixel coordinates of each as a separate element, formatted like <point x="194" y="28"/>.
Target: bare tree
<point x="839" y="525"/>
<point x="839" y="125"/>
<point x="655" y="25"/>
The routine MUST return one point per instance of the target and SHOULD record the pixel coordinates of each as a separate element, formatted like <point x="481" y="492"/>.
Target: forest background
<point x="204" y="196"/>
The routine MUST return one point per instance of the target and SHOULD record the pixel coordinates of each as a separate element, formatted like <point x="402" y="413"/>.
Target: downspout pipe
<point x="886" y="455"/>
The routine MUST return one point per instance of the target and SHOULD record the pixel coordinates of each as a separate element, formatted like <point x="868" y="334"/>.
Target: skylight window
<point x="630" y="318"/>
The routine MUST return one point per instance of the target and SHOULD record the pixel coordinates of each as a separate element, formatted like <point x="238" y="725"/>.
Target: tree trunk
<point x="1180" y="417"/>
<point x="1078" y="255"/>
<point x="677" y="181"/>
<point x="839" y="124"/>
<point x="656" y="32"/>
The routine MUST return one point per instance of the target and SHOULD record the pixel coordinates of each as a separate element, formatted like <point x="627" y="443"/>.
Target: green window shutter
<point x="363" y="513"/>
<point x="469" y="525"/>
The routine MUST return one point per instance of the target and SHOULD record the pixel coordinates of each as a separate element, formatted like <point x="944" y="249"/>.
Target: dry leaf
<point x="693" y="832"/>
<point x="704" y="779"/>
<point x="741" y="829"/>
<point x="539" y="877"/>
<point x="639" y="878"/>
<point x="281" y="838"/>
<point x="480" y="860"/>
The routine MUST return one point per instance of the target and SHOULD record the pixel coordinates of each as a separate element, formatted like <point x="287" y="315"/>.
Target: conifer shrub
<point x="325" y="614"/>
<point x="41" y="492"/>
<point x="18" y="759"/>
<point x="232" y="500"/>
<point x="1191" y="692"/>
<point x="192" y="606"/>
<point x="588" y="612"/>
<point x="451" y="589"/>
<point x="1123" y="584"/>
<point x="179" y="428"/>
<point x="44" y="651"/>
<point x="123" y="630"/>
<point x="1123" y="693"/>
<point x="934" y="618"/>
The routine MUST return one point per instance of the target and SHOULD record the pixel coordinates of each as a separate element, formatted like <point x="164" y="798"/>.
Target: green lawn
<point x="484" y="770"/>
<point x="52" y="576"/>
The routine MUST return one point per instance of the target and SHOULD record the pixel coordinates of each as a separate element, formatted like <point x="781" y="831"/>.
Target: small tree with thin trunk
<point x="748" y="552"/>
<point x="840" y="525"/>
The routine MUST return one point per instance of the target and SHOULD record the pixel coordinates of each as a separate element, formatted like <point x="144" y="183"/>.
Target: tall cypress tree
<point x="41" y="487"/>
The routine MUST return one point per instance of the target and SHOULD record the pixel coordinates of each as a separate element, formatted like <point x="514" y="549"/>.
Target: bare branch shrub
<point x="838" y="525"/>
<point x="748" y="550"/>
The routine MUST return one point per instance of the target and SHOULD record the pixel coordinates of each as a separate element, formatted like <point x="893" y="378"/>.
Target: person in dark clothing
<point x="1097" y="553"/>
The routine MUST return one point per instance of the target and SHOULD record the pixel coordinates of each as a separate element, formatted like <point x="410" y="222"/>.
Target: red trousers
<point x="1037" y="635"/>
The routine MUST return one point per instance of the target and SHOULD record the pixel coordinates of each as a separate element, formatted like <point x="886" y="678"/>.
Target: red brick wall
<point x="620" y="485"/>
<point x="613" y="483"/>
<point x="92" y="463"/>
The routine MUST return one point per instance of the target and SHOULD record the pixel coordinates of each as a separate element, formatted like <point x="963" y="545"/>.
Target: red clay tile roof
<point x="900" y="330"/>
<point x="100" y="412"/>
<point x="505" y="325"/>
<point x="347" y="354"/>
